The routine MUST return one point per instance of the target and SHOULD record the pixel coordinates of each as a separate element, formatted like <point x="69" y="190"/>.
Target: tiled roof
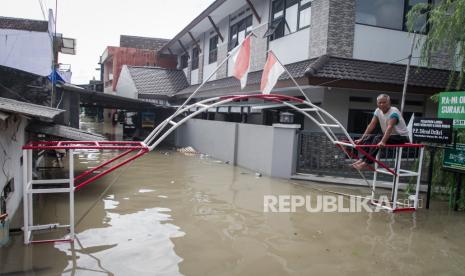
<point x="139" y="42"/>
<point x="23" y="24"/>
<point x="28" y="109"/>
<point x="376" y="72"/>
<point x="157" y="81"/>
<point x="68" y="133"/>
<point x="231" y="85"/>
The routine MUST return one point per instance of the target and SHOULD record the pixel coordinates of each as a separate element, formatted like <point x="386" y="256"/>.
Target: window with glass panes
<point x="213" y="49"/>
<point x="289" y="16"/>
<point x="389" y="14"/>
<point x="195" y="58"/>
<point x="239" y="30"/>
<point x="184" y="61"/>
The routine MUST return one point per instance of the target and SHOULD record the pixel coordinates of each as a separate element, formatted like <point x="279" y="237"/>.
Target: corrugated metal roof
<point x="157" y="81"/>
<point x="23" y="24"/>
<point x="68" y="133"/>
<point x="28" y="109"/>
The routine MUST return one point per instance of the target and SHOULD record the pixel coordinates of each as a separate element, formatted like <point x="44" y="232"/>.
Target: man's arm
<point x="371" y="126"/>
<point x="390" y="127"/>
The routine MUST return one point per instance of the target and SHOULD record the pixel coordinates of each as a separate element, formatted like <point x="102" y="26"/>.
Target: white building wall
<point x="26" y="50"/>
<point x="126" y="87"/>
<point x="293" y="47"/>
<point x="384" y="45"/>
<point x="12" y="138"/>
<point x="194" y="76"/>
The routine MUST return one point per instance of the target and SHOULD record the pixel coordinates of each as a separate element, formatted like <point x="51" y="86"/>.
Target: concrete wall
<point x="126" y="86"/>
<point x="27" y="51"/>
<point x="12" y="138"/>
<point x="254" y="147"/>
<point x="270" y="150"/>
<point x="214" y="138"/>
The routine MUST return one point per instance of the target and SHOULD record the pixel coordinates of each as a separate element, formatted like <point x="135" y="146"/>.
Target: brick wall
<point x="319" y="28"/>
<point x="341" y="28"/>
<point x="259" y="46"/>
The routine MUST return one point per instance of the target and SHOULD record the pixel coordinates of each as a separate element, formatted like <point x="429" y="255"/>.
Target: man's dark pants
<point x="375" y="139"/>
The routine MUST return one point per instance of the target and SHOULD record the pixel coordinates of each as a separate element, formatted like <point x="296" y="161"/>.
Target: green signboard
<point x="452" y="105"/>
<point x="454" y="158"/>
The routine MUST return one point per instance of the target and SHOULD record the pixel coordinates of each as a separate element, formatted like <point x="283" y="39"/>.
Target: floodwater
<point x="171" y="214"/>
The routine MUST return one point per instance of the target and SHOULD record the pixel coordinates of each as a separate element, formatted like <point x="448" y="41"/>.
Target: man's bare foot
<point x="357" y="162"/>
<point x="361" y="166"/>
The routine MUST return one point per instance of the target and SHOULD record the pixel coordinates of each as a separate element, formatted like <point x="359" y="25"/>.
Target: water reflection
<point x="132" y="244"/>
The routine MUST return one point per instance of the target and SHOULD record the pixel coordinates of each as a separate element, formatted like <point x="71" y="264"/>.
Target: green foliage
<point x="445" y="34"/>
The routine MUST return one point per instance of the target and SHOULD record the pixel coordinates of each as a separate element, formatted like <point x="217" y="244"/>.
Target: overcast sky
<point x="96" y="24"/>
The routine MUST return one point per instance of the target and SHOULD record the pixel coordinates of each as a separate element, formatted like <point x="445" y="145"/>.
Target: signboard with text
<point x="454" y="158"/>
<point x="432" y="130"/>
<point x="452" y="105"/>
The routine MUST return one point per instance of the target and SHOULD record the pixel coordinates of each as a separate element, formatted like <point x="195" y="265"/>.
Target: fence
<point x="317" y="155"/>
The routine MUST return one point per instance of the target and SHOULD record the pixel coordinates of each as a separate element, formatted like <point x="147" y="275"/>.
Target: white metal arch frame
<point x="316" y="114"/>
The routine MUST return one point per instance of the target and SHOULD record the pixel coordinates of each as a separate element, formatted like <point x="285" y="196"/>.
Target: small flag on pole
<point x="241" y="59"/>
<point x="410" y="127"/>
<point x="273" y="69"/>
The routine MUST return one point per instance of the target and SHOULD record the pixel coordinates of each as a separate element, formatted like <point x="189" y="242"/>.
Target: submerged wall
<point x="270" y="150"/>
<point x="12" y="138"/>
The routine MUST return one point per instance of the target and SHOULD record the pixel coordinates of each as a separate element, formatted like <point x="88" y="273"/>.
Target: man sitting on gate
<point x="392" y="124"/>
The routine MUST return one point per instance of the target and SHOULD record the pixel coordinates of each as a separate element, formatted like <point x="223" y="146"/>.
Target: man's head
<point x="383" y="102"/>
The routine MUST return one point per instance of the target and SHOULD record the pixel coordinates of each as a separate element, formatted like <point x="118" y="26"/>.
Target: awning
<point x="30" y="110"/>
<point x="65" y="132"/>
<point x="89" y="98"/>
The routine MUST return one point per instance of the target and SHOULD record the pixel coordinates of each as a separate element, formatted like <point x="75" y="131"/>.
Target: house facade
<point x="133" y="50"/>
<point x="342" y="53"/>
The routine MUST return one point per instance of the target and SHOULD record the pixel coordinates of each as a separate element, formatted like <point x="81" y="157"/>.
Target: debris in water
<point x="188" y="150"/>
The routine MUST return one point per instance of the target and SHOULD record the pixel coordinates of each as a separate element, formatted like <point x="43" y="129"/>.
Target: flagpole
<point x="150" y="137"/>
<point x="319" y="115"/>
<point x="290" y="76"/>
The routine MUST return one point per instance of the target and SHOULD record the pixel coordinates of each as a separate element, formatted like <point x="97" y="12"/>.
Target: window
<point x="358" y="121"/>
<point x="239" y="31"/>
<point x="184" y="61"/>
<point x="305" y="13"/>
<point x="420" y="24"/>
<point x="213" y="52"/>
<point x="288" y="16"/>
<point x="389" y="14"/>
<point x="195" y="58"/>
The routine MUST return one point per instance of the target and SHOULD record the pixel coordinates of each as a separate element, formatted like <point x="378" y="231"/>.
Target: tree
<point x="445" y="25"/>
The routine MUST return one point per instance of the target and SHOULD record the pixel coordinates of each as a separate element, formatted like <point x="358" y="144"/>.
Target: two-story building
<point x="342" y="53"/>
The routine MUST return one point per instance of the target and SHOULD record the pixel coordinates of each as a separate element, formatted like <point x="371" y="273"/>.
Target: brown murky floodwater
<point x="171" y="214"/>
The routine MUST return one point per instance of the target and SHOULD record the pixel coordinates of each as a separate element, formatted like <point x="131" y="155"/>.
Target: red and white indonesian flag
<point x="241" y="59"/>
<point x="273" y="69"/>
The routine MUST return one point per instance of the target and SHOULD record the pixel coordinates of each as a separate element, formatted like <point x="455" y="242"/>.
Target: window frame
<point x="213" y="51"/>
<point x="233" y="42"/>
<point x="195" y="58"/>
<point x="184" y="61"/>
<point x="276" y="22"/>
<point x="404" y="19"/>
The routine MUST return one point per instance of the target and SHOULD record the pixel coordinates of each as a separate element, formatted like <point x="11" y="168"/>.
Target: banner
<point x="452" y="105"/>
